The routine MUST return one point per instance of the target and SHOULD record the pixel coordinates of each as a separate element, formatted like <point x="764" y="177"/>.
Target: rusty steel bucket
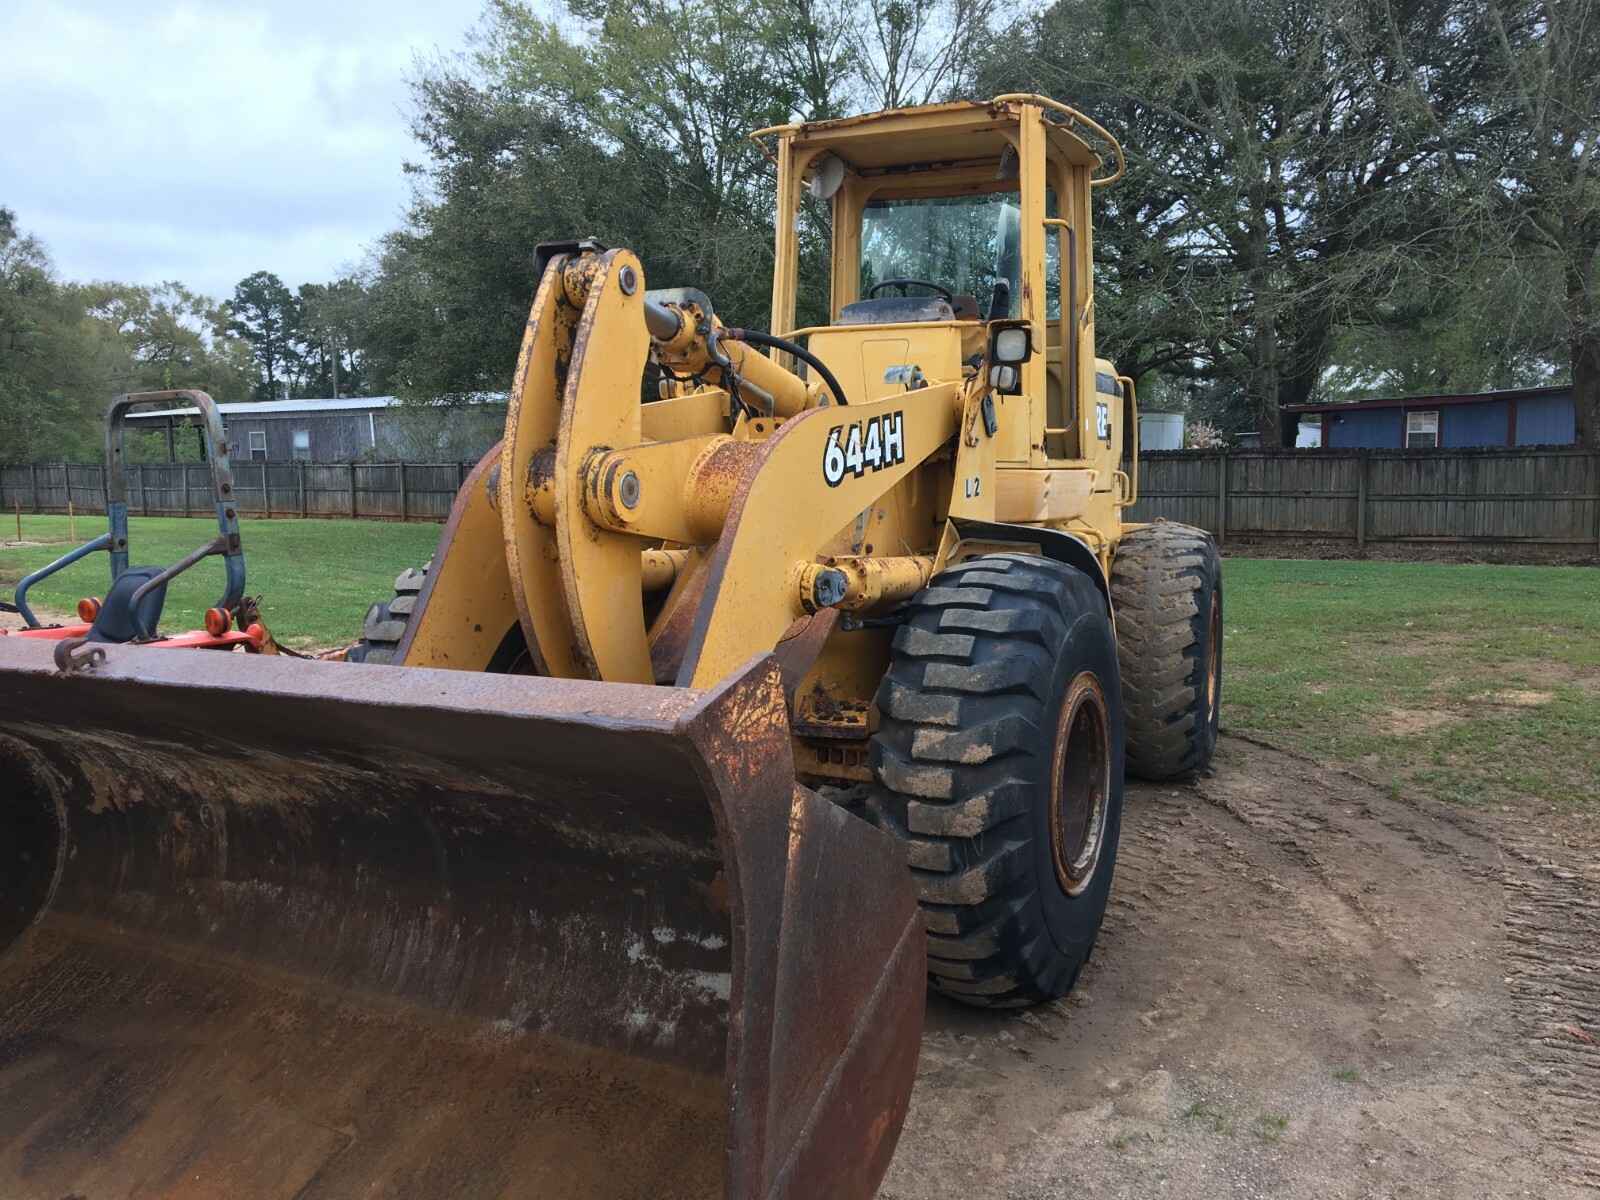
<point x="275" y="928"/>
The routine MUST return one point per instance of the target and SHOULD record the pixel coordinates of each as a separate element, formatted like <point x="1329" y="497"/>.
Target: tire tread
<point x="1156" y="576"/>
<point x="963" y="710"/>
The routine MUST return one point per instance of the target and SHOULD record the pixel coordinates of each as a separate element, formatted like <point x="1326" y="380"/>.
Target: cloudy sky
<point x="147" y="140"/>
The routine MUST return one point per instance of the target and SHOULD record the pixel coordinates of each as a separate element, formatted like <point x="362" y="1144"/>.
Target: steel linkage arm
<point x="217" y="545"/>
<point x="66" y="560"/>
<point x="687" y="340"/>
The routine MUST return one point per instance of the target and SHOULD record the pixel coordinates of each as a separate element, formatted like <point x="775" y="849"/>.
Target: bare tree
<point x="916" y="52"/>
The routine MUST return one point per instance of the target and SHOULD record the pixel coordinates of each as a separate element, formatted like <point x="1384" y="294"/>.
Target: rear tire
<point x="1166" y="584"/>
<point x="999" y="757"/>
<point x="386" y="623"/>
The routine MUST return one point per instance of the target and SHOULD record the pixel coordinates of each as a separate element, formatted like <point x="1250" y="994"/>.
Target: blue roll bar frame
<point x="227" y="542"/>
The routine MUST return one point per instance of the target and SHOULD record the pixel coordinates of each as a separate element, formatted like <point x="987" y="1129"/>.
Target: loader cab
<point x="947" y="222"/>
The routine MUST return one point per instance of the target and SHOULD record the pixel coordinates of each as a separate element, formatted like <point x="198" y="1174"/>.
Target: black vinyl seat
<point x="115" y="620"/>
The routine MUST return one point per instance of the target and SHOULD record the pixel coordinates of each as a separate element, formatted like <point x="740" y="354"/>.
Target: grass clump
<point x="1471" y="684"/>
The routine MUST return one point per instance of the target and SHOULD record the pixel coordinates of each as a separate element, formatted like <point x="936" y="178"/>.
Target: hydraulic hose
<point x="788" y="347"/>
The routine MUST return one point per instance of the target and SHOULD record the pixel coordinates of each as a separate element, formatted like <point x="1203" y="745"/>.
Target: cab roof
<point x="963" y="131"/>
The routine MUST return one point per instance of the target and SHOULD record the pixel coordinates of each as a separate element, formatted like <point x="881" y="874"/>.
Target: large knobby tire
<point x="386" y="620"/>
<point x="386" y="623"/>
<point x="1166" y="585"/>
<point x="999" y="759"/>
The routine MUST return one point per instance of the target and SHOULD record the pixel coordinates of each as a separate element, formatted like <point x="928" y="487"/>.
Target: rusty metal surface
<point x="466" y="610"/>
<point x="500" y="936"/>
<point x="598" y="570"/>
<point x="712" y="480"/>
<point x="800" y="646"/>
<point x="533" y="417"/>
<point x="669" y="632"/>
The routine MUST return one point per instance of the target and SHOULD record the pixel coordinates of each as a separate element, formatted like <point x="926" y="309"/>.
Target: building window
<point x="1422" y="430"/>
<point x="302" y="444"/>
<point x="258" y="444"/>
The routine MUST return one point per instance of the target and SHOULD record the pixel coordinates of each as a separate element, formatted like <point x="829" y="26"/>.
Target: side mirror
<point x="1010" y="164"/>
<point x="827" y="175"/>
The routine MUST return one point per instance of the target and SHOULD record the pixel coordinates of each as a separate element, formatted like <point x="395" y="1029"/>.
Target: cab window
<point x="970" y="244"/>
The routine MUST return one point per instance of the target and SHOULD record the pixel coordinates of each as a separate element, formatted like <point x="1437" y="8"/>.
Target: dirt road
<point x="10" y="620"/>
<point x="1304" y="989"/>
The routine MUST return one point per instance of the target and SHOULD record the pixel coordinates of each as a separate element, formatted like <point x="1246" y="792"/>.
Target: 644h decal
<point x="865" y="446"/>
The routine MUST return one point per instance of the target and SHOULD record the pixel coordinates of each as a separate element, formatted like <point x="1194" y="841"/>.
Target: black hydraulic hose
<point x="788" y="347"/>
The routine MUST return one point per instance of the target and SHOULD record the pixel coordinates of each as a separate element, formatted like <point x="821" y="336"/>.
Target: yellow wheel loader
<point x="758" y="681"/>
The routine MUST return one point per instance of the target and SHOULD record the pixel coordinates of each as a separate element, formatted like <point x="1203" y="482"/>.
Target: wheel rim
<point x="1081" y="785"/>
<point x="1213" y="660"/>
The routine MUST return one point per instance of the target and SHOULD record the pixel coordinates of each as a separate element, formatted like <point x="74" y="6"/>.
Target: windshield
<point x="969" y="244"/>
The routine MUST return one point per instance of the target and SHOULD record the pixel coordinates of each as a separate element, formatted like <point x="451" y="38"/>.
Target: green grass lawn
<point x="316" y="578"/>
<point x="1472" y="683"/>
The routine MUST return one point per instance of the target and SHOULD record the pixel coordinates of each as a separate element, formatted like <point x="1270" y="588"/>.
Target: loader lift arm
<point x="589" y="483"/>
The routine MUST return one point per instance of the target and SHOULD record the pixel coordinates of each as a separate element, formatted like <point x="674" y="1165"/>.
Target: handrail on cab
<point x="1074" y="117"/>
<point x="1133" y="450"/>
<point x="758" y="134"/>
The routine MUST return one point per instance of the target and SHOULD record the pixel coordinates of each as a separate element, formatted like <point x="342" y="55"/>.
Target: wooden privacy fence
<point x="1528" y="497"/>
<point x="376" y="491"/>
<point x="1546" y="497"/>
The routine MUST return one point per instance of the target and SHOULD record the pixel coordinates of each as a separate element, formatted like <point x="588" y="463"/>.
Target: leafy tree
<point x="1545" y="97"/>
<point x="26" y="287"/>
<point x="631" y="129"/>
<point x="171" y="338"/>
<point x="266" y="316"/>
<point x="1297" y="163"/>
<point x="628" y="120"/>
<point x="915" y="52"/>
<point x="53" y="378"/>
<point x="448" y="294"/>
<point x="1494" y="325"/>
<point x="329" y="337"/>
<point x="1325" y="197"/>
<point x="816" y="47"/>
<point x="675" y="90"/>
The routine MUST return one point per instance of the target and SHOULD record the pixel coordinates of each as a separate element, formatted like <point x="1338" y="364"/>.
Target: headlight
<point x="1003" y="378"/>
<point x="1012" y="345"/>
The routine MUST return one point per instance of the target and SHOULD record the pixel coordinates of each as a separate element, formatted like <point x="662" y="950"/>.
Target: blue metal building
<point x="1524" y="417"/>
